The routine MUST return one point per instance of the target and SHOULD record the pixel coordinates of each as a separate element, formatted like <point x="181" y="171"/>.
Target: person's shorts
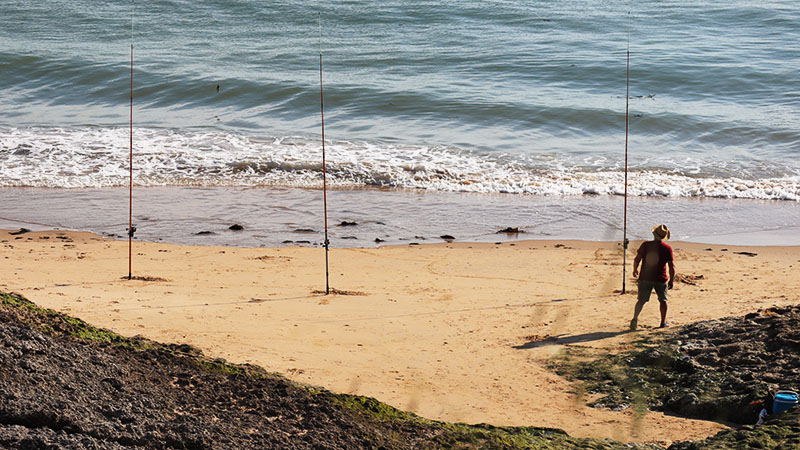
<point x="646" y="287"/>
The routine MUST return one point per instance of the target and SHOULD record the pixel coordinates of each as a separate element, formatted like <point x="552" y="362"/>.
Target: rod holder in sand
<point x="131" y="229"/>
<point x="326" y="243"/>
<point x="625" y="208"/>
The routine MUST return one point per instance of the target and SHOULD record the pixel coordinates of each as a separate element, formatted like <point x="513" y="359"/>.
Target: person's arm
<point x="636" y="265"/>
<point x="671" y="274"/>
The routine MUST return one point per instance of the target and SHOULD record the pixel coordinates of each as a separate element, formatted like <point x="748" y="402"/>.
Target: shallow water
<point x="271" y="217"/>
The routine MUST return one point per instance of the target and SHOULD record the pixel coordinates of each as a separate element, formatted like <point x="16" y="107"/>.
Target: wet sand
<point x="457" y="332"/>
<point x="271" y="216"/>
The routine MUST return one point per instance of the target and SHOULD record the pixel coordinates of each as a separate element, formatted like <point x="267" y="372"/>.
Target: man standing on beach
<point x="655" y="256"/>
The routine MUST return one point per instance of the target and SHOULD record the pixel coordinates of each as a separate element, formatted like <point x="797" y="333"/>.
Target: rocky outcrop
<point x="732" y="362"/>
<point x="711" y="370"/>
<point x="65" y="384"/>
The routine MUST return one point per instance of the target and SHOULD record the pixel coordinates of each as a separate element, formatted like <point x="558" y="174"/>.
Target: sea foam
<point x="96" y="157"/>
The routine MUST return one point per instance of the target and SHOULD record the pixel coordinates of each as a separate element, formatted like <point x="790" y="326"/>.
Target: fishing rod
<point x="324" y="171"/>
<point x="131" y="229"/>
<point x="625" y="211"/>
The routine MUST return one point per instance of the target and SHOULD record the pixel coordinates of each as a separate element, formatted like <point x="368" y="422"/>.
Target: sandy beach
<point x="457" y="332"/>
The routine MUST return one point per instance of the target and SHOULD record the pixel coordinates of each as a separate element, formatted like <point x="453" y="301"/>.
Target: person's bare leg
<point x="663" y="314"/>
<point x="636" y="311"/>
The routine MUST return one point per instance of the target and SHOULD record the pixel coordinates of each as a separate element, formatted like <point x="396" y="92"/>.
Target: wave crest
<point x="98" y="157"/>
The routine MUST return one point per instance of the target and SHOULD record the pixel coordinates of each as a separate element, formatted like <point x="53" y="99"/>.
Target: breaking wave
<point x="93" y="157"/>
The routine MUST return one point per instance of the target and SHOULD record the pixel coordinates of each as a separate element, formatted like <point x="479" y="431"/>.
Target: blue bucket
<point x="783" y="400"/>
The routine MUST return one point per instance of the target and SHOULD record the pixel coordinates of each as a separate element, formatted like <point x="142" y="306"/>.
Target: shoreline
<point x="368" y="218"/>
<point x="458" y="332"/>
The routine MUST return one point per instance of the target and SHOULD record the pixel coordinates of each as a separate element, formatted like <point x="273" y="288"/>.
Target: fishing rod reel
<point x="131" y="230"/>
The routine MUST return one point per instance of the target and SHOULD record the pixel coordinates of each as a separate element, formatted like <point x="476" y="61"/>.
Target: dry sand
<point x="450" y="331"/>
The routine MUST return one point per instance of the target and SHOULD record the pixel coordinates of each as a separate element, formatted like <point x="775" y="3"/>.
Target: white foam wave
<point x="99" y="157"/>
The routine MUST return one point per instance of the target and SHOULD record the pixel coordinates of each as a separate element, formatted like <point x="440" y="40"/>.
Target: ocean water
<point x="465" y="104"/>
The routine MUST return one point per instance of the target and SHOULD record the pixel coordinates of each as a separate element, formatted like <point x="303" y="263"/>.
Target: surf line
<point x="326" y="243"/>
<point x="131" y="228"/>
<point x="625" y="208"/>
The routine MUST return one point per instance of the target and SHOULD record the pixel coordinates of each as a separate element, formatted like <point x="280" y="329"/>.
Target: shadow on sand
<point x="542" y="341"/>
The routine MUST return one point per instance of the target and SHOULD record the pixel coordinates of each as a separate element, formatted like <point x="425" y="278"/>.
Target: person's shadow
<point x="569" y="339"/>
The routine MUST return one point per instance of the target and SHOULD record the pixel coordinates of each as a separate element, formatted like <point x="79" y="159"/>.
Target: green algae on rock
<point x="64" y="383"/>
<point x="710" y="370"/>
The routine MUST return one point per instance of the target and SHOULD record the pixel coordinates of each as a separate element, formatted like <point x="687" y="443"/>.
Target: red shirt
<point x="654" y="255"/>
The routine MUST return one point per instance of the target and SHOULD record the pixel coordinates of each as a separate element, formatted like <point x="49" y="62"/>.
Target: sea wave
<point x="94" y="157"/>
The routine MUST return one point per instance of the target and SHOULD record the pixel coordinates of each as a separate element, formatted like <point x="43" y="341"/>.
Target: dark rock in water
<point x="379" y="240"/>
<point x="510" y="230"/>
<point x="204" y="233"/>
<point x="302" y="242"/>
<point x="447" y="237"/>
<point x="304" y="230"/>
<point x="20" y="231"/>
<point x="347" y="224"/>
<point x="422" y="238"/>
<point x="287" y="242"/>
<point x="349" y="237"/>
<point x="236" y="227"/>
